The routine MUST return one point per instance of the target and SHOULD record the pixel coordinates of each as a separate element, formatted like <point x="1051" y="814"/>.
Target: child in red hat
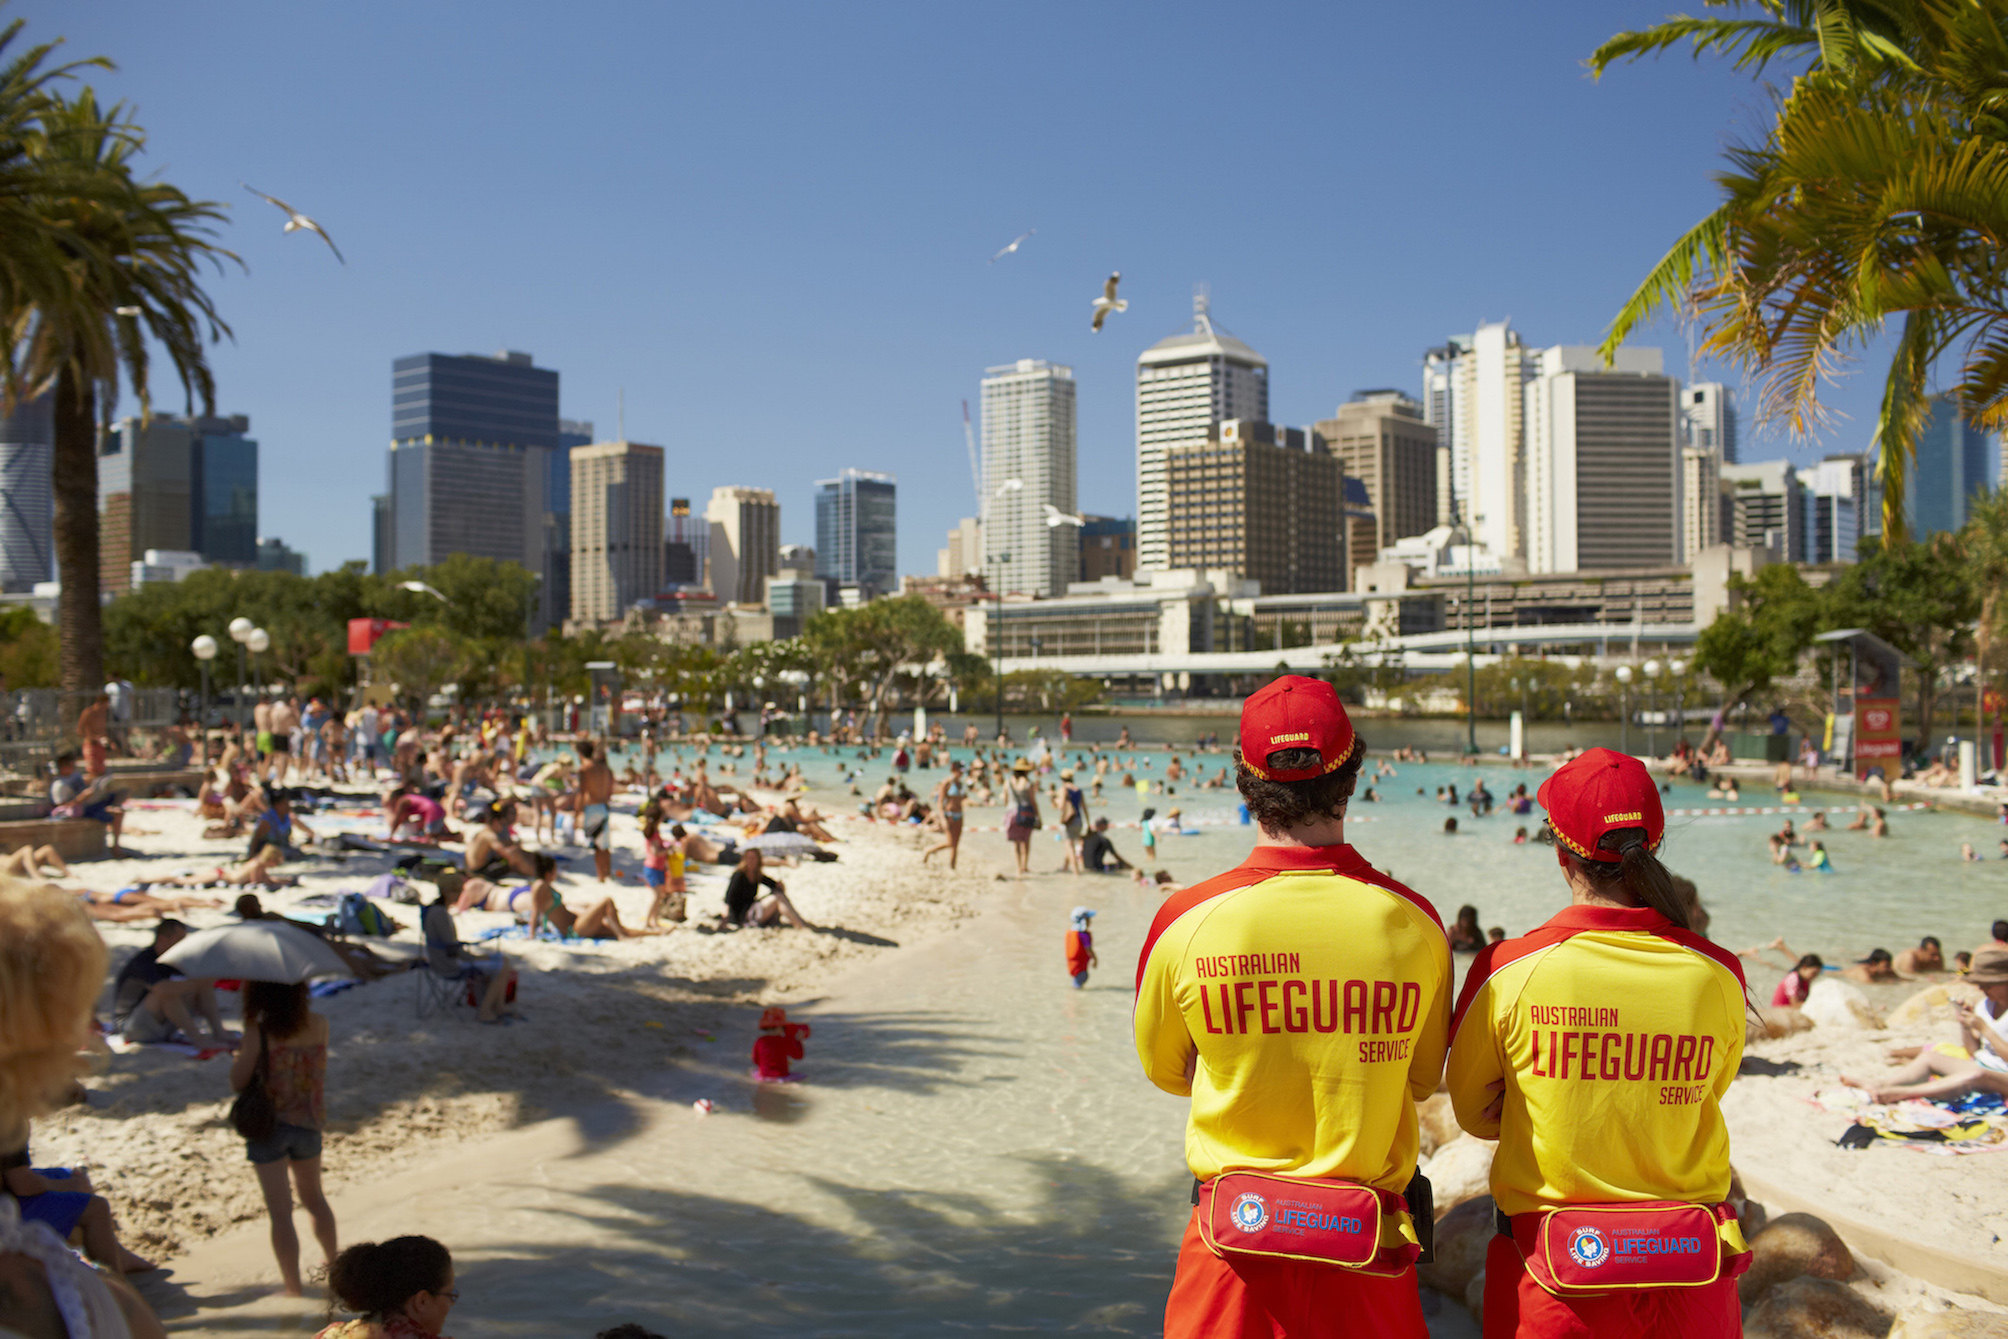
<point x="779" y="1042"/>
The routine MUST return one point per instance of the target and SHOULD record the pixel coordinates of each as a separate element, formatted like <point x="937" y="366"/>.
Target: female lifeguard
<point x="1596" y="1050"/>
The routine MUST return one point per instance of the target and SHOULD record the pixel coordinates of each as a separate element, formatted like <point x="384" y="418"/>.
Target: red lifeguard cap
<point x="1294" y="712"/>
<point x="773" y="1018"/>
<point x="1600" y="792"/>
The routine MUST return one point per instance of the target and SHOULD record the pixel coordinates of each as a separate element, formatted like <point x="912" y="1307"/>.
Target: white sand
<point x="598" y="1018"/>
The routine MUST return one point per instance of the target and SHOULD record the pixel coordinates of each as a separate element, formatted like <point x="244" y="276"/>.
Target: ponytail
<point x="1639" y="873"/>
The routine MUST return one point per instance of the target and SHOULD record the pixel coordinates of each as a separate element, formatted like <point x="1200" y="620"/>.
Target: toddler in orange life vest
<point x="779" y="1042"/>
<point x="1081" y="948"/>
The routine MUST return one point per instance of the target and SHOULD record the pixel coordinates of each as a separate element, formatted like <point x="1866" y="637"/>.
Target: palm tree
<point x="1879" y="196"/>
<point x="117" y="242"/>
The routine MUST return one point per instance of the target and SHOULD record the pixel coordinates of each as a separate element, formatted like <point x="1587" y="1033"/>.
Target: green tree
<point x="871" y="645"/>
<point x="420" y="661"/>
<point x="1759" y="638"/>
<point x="485" y="599"/>
<point x="1920" y="598"/>
<point x="1879" y="195"/>
<point x="27" y="650"/>
<point x="118" y="242"/>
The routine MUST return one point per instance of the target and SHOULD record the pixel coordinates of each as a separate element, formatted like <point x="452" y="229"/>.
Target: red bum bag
<point x="1596" y="1248"/>
<point x="1339" y="1223"/>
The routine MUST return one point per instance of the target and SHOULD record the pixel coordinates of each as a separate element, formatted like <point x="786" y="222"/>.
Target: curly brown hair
<point x="51" y="964"/>
<point x="1280" y="805"/>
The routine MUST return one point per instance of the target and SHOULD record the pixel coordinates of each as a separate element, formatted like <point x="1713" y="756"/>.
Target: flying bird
<point x="420" y="588"/>
<point x="1108" y="301"/>
<point x="1055" y="518"/>
<point x="1016" y="242"/>
<point x="295" y="220"/>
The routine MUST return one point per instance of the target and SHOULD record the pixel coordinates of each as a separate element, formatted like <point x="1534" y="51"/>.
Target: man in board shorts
<point x="1302" y="1001"/>
<point x="591" y="819"/>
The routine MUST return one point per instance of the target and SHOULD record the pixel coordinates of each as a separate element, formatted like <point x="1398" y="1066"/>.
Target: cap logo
<point x="1624" y="818"/>
<point x="1302" y="736"/>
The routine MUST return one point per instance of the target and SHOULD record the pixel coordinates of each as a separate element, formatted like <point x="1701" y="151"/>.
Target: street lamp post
<point x="241" y="628"/>
<point x="204" y="648"/>
<point x="1624" y="678"/>
<point x="1652" y="698"/>
<point x="997" y="561"/>
<point x="258" y="641"/>
<point x="1675" y="669"/>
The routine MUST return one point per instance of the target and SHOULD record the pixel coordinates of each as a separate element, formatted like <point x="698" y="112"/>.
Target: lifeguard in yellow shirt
<point x="1596" y="1050"/>
<point x="1301" y="1001"/>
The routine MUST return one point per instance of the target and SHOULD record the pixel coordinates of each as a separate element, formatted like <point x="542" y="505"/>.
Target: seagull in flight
<point x="419" y="587"/>
<point x="295" y="220"/>
<point x="1016" y="242"/>
<point x="1055" y="518"/>
<point x="1108" y="301"/>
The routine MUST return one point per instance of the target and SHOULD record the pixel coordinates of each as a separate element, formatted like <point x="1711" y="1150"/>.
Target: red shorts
<point x="1212" y="1298"/>
<point x="1516" y="1307"/>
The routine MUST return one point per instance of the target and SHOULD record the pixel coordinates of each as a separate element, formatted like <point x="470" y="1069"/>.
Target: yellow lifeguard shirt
<point x="1311" y="995"/>
<point x="1616" y="1034"/>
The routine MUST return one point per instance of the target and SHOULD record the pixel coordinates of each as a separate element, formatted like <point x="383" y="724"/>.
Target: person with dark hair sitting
<point x="399" y="1289"/>
<point x="1302" y="1001"/>
<point x="492" y="979"/>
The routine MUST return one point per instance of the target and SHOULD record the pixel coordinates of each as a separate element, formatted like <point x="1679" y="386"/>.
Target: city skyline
<point x="870" y="244"/>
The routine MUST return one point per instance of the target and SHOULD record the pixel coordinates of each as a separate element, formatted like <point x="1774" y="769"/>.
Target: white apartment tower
<point x="1708" y="418"/>
<point x="616" y="528"/>
<point x="1700" y="500"/>
<point x="745" y="528"/>
<point x="1029" y="477"/>
<point x="1185" y="385"/>
<point x="1603" y="464"/>
<point x="1439" y="410"/>
<point x="1473" y="391"/>
<point x="1837" y="496"/>
<point x="964" y="553"/>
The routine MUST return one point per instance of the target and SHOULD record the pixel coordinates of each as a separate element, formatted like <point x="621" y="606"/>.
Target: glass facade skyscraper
<point x="472" y="441"/>
<point x="1956" y="458"/>
<point x="27" y="506"/>
<point x="177" y="484"/>
<point x="857" y="540"/>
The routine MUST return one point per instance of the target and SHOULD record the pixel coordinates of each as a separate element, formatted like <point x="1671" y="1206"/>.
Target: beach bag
<point x="357" y="915"/>
<point x="1596" y="1248"/>
<point x="254" y="1114"/>
<point x="1341" y="1223"/>
<point x="1025" y="816"/>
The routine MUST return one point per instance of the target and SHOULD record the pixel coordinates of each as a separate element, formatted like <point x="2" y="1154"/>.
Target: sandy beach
<point x="500" y="1130"/>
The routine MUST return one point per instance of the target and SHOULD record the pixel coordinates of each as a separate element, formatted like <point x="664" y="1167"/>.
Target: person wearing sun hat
<point x="1979" y="1064"/>
<point x="1021" y="795"/>
<point x="1596" y="1050"/>
<point x="1302" y="1002"/>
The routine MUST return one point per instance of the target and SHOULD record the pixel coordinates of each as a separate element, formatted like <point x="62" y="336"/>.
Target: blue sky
<point x="769" y="224"/>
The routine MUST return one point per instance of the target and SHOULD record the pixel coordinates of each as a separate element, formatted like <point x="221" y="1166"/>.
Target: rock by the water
<point x="1461" y="1170"/>
<point x="1462" y="1237"/>
<point x="1815" y="1309"/>
<point x="1834" y="1003"/>
<point x="1950" y="1325"/>
<point x="1435" y="1123"/>
<point x="1793" y="1246"/>
<point x="1770" y="1022"/>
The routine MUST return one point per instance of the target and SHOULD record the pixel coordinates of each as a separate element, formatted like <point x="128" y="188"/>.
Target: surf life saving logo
<point x="1250" y="1212"/>
<point x="1588" y="1248"/>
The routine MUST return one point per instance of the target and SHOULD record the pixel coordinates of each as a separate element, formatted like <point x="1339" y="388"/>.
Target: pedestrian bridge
<point x="1425" y="651"/>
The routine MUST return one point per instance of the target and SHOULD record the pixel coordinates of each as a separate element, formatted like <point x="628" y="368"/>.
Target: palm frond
<point x="1900" y="419"/>
<point x="1670" y="283"/>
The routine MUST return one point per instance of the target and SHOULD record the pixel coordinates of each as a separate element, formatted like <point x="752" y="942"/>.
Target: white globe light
<point x="1624" y="674"/>
<point x="204" y="647"/>
<point x="1676" y="667"/>
<point x="1651" y="669"/>
<point x="258" y="640"/>
<point x="240" y="628"/>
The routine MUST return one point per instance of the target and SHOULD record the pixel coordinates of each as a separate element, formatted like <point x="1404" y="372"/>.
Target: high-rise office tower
<point x="1108" y="547"/>
<point x="1439" y="411"/>
<point x="27" y="502"/>
<point x="276" y="555"/>
<point x="1489" y="454"/>
<point x="1603" y="462"/>
<point x="1700" y="500"/>
<point x="1836" y="493"/>
<point x="745" y="526"/>
<point x="1956" y="458"/>
<point x="186" y="485"/>
<point x="1028" y="474"/>
<point x="383" y="559"/>
<point x="557" y="587"/>
<point x="1260" y="501"/>
<point x="857" y="541"/>
<point x="616" y="528"/>
<point x="1763" y="507"/>
<point x="684" y="546"/>
<point x="1708" y="418"/>
<point x="470" y="461"/>
<point x="1185" y="386"/>
<point x="1381" y="439"/>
